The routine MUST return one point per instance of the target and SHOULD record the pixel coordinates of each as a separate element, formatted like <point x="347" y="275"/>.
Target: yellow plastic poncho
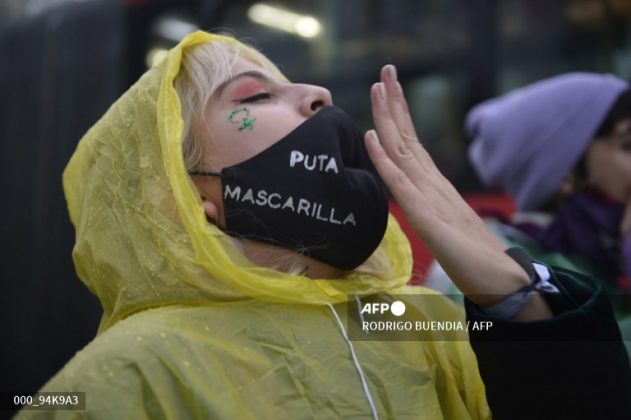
<point x="192" y="329"/>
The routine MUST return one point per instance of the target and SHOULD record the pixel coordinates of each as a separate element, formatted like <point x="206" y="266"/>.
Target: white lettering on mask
<point x="232" y="193"/>
<point x="322" y="163"/>
<point x="248" y="196"/>
<point x="303" y="207"/>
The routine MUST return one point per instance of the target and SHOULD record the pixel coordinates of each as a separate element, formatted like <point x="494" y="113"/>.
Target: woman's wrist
<point x="525" y="303"/>
<point x="537" y="309"/>
<point x="489" y="284"/>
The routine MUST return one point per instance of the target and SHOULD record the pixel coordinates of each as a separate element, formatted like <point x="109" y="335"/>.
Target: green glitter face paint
<point x="241" y="117"/>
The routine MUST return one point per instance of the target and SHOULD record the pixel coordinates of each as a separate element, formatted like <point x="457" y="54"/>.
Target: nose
<point x="313" y="98"/>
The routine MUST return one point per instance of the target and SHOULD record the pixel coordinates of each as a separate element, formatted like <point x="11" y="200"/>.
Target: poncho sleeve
<point x="571" y="366"/>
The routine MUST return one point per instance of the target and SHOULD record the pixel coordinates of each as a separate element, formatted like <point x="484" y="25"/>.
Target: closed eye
<point x="255" y="98"/>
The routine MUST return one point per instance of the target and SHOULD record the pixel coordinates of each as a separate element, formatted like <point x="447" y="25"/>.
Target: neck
<point x="282" y="259"/>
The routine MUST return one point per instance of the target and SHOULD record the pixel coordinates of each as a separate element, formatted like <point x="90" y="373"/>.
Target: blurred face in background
<point x="608" y="162"/>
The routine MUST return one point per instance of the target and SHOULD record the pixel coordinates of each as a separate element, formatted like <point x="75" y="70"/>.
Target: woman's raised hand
<point x="452" y="231"/>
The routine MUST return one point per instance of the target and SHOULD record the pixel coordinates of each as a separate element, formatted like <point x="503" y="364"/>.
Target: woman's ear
<point x="211" y="210"/>
<point x="209" y="189"/>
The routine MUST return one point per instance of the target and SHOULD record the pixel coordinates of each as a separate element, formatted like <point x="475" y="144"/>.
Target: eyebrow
<point x="252" y="73"/>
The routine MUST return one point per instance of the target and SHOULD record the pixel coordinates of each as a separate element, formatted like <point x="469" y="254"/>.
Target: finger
<point x="398" y="105"/>
<point x="391" y="140"/>
<point x="400" y="113"/>
<point x="399" y="184"/>
<point x="421" y="172"/>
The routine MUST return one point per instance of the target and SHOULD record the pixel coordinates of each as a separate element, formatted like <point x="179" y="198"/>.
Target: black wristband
<point x="512" y="304"/>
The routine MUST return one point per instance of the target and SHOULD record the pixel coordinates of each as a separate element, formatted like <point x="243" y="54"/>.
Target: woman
<point x="561" y="145"/>
<point x="232" y="223"/>
<point x="562" y="148"/>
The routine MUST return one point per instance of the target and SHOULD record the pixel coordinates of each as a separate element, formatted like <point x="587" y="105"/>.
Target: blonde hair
<point x="204" y="68"/>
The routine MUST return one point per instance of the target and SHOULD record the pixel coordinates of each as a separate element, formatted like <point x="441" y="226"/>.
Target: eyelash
<point x="255" y="98"/>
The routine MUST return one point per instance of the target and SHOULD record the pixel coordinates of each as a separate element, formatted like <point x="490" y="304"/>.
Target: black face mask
<point x="315" y="192"/>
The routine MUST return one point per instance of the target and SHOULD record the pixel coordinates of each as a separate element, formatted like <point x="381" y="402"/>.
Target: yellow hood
<point x="142" y="239"/>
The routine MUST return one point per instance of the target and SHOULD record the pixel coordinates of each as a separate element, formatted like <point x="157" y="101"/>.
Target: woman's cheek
<point x="274" y="127"/>
<point x="609" y="170"/>
<point x="621" y="175"/>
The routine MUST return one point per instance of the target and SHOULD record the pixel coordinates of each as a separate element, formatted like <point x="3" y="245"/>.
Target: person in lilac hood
<point x="561" y="147"/>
